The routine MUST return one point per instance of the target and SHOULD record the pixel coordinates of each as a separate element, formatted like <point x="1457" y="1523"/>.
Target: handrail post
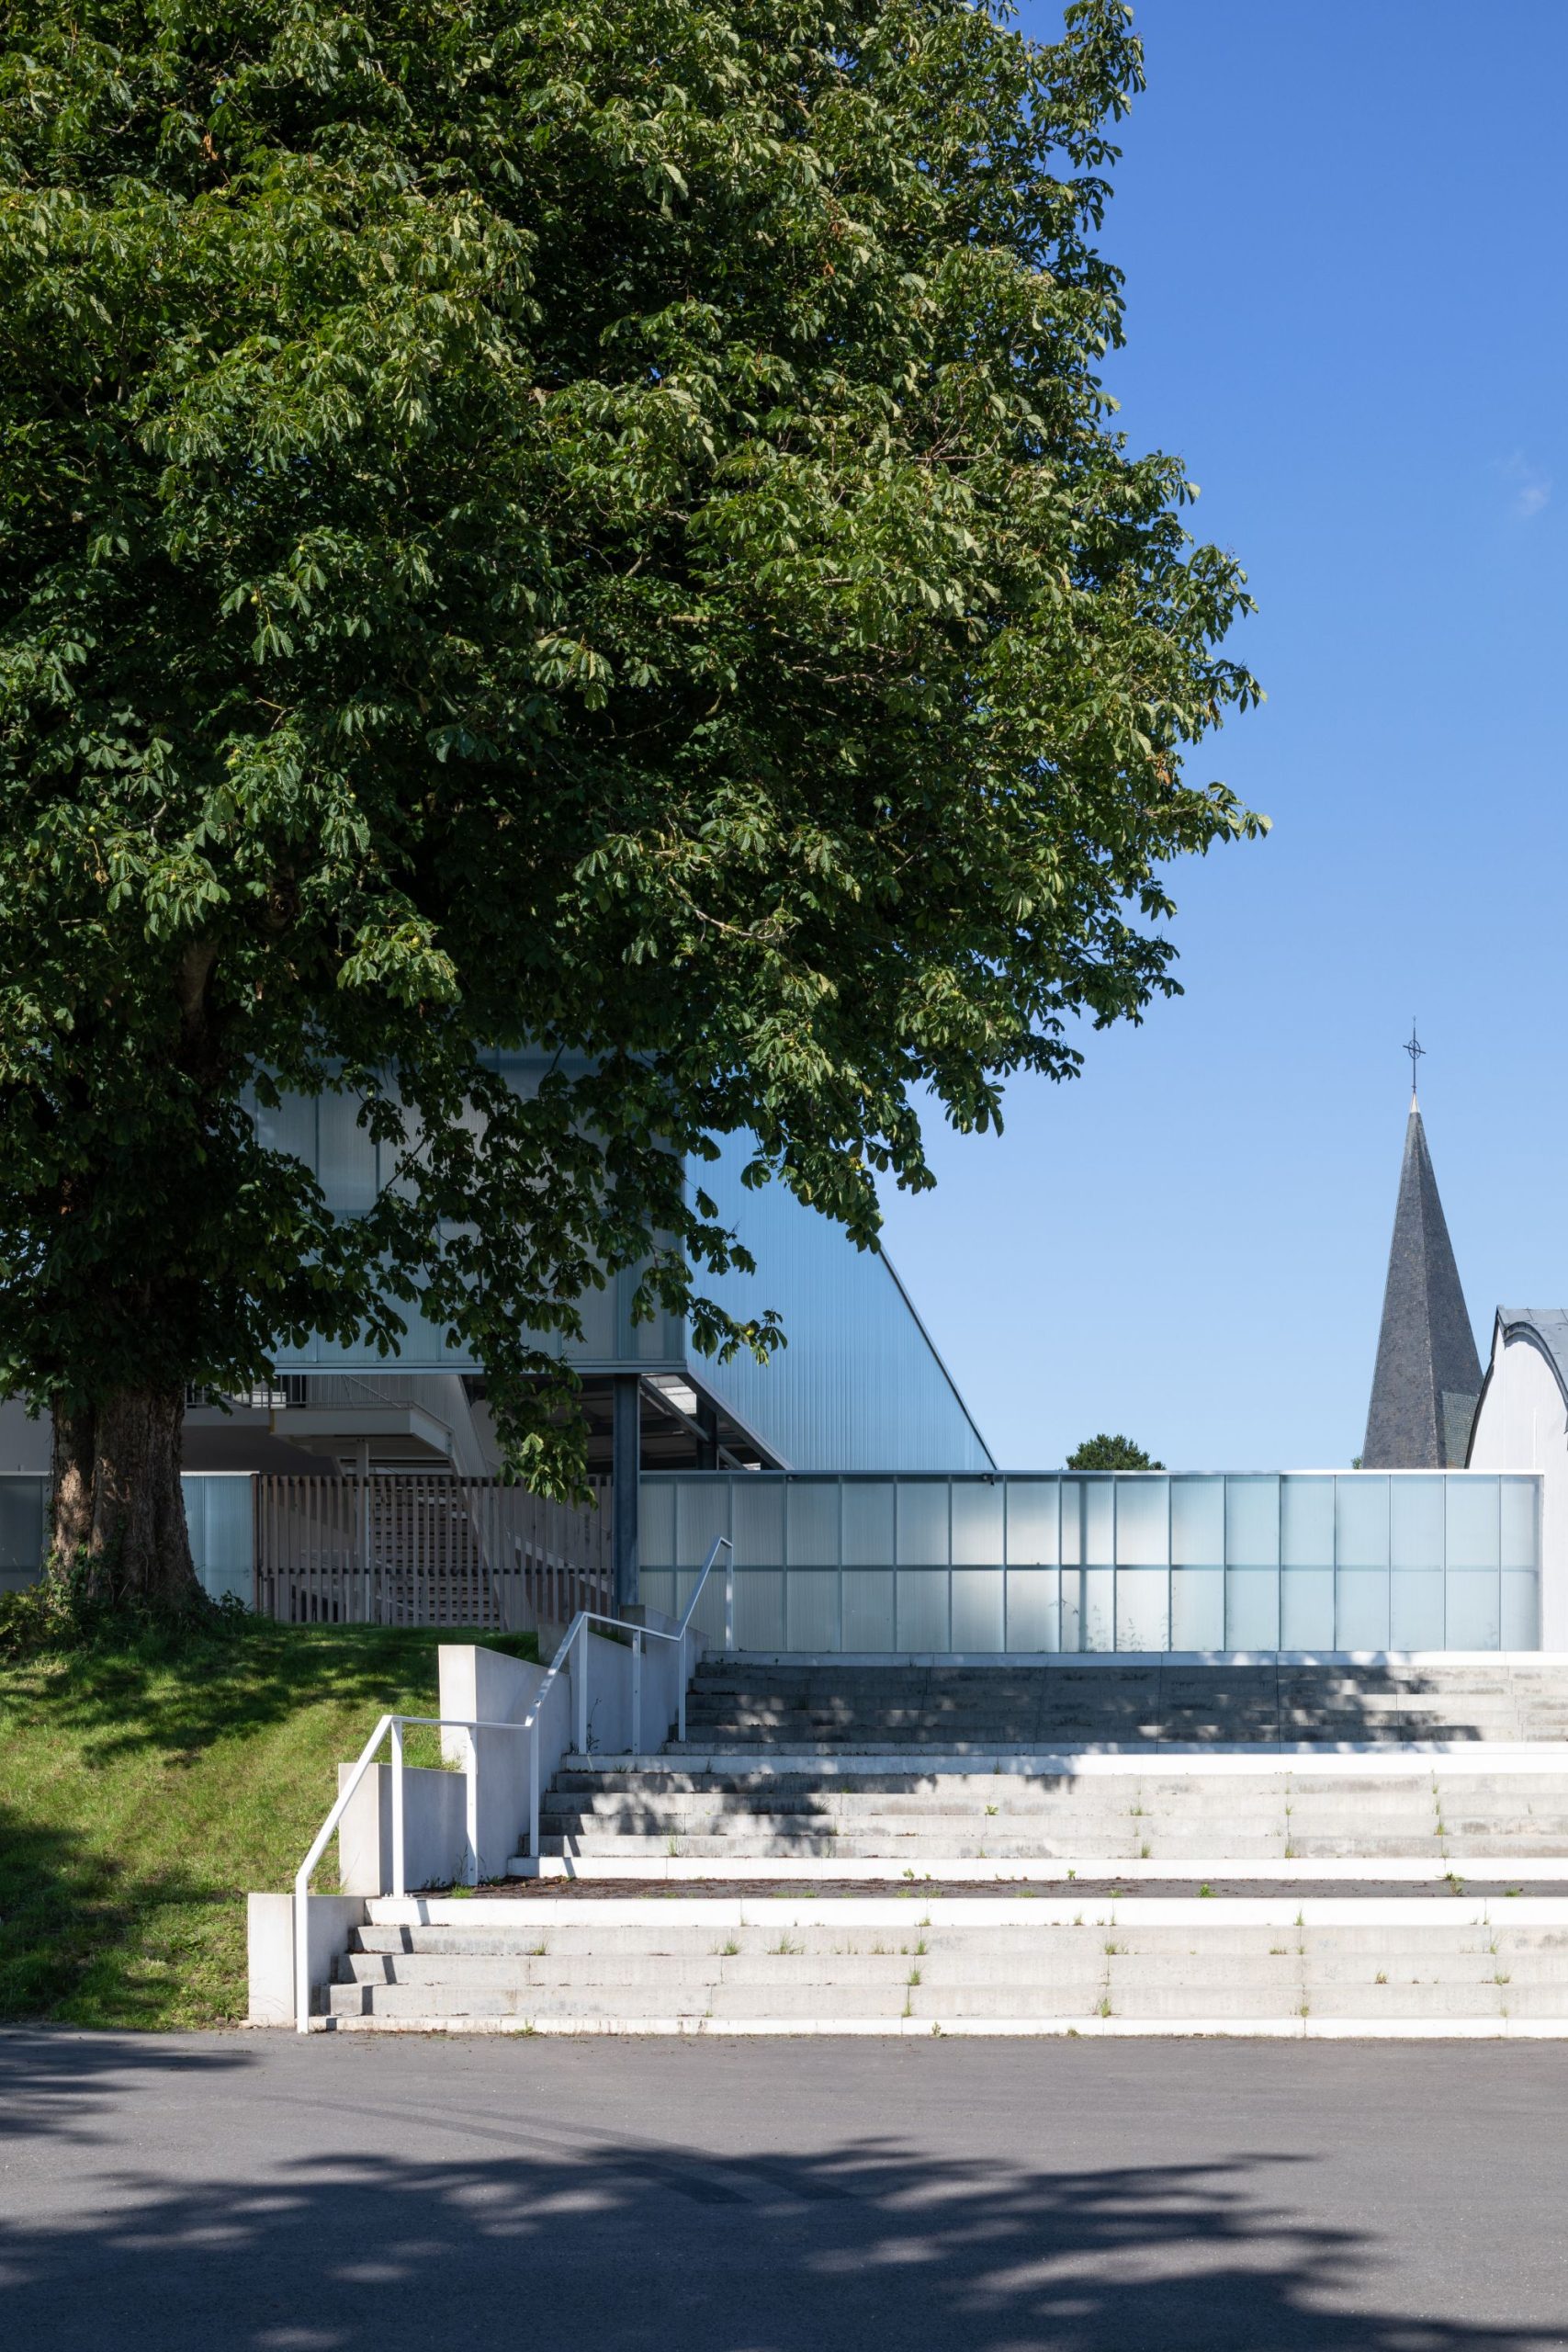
<point x="729" y="1598"/>
<point x="637" y="1692"/>
<point x="302" y="1958"/>
<point x="534" y="1789"/>
<point x="578" y="1669"/>
<point x="399" y="1870"/>
<point x="472" y="1806"/>
<point x="681" y="1678"/>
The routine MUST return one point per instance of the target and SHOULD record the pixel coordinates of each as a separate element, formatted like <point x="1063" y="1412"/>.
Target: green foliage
<point x="149" y="1778"/>
<point x="1105" y="1453"/>
<point x="596" y="526"/>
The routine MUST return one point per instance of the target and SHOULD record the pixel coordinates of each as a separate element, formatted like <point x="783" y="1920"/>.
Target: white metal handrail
<point x="395" y="1724"/>
<point x="578" y="1630"/>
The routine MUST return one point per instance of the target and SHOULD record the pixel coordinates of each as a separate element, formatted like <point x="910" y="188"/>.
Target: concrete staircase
<point x="636" y="1814"/>
<point x="1310" y="1969"/>
<point x="1107" y="1702"/>
<point x="1389" y="1845"/>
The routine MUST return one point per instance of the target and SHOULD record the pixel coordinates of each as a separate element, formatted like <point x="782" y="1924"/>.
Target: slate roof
<point x="1548" y="1326"/>
<point x="1427" y="1375"/>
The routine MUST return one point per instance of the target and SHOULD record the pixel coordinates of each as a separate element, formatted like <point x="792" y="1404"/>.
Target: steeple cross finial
<point x="1415" y="1049"/>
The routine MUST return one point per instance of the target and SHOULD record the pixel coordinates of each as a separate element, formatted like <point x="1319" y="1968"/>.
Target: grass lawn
<point x="144" y="1790"/>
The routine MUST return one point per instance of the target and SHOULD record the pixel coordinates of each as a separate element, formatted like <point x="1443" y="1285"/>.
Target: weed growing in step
<point x="1382" y="1977"/>
<point x="1205" y="1888"/>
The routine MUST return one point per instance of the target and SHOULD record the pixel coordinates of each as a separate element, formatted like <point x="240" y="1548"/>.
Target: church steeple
<point x="1428" y="1375"/>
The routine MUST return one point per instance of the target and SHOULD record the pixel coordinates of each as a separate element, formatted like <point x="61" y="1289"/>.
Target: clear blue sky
<point x="1343" y="226"/>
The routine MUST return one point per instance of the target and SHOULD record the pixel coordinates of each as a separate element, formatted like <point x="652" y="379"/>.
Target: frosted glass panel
<point x="758" y="1513"/>
<point x="1252" y="1608"/>
<point x="1142" y="1609"/>
<point x="701" y="1513"/>
<point x="1099" y="1522"/>
<point x="922" y="1610"/>
<point x="1521" y="1629"/>
<point x="1474" y="1621"/>
<point x="868" y="1525"/>
<point x="760" y="1609"/>
<point x="223" y="1549"/>
<point x="1198" y="1609"/>
<point x="811" y="1619"/>
<point x="868" y="1609"/>
<point x="1416" y="1522"/>
<point x="1071" y="1522"/>
<point x="812" y="1508"/>
<point x="656" y="1590"/>
<point x="1072" y="1608"/>
<point x="290" y="1128"/>
<point x="347" y="1164"/>
<point x="656" y="1525"/>
<point x="1415" y="1610"/>
<point x="1096" y="1625"/>
<point x="1252" y="1522"/>
<point x="1472" y="1517"/>
<point x="1142" y="1522"/>
<point x="1032" y="1609"/>
<point x="1306" y="1528"/>
<point x="978" y="1609"/>
<point x="1198" y="1523"/>
<point x="21" y="1522"/>
<point x="1362" y="1507"/>
<point x="978" y="1539"/>
<point x="1363" y="1607"/>
<point x="1031" y="1511"/>
<point x="1519" y="1525"/>
<point x="1306" y="1604"/>
<point x="922" y="1523"/>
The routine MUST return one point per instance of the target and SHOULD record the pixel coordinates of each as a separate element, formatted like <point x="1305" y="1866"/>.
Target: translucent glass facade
<point x="859" y="1383"/>
<point x="219" y="1511"/>
<point x="1363" y="1560"/>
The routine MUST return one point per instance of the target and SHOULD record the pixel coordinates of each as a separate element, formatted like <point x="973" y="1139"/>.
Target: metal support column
<point x="626" y="1466"/>
<point x="706" y="1419"/>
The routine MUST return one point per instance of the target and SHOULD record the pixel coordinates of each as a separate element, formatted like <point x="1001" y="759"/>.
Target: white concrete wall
<point x="435" y="1836"/>
<point x="485" y="1686"/>
<point x="1522" y="1424"/>
<point x="270" y="1948"/>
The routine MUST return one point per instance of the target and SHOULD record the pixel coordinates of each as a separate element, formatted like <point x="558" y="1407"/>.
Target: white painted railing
<point x="395" y="1724"/>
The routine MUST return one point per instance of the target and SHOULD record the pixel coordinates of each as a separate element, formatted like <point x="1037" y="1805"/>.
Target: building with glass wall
<point x="1126" y="1561"/>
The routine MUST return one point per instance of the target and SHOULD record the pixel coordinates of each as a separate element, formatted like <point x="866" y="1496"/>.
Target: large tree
<point x="587" y="524"/>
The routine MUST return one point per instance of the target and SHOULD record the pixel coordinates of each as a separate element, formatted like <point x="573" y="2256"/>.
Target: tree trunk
<point x="119" y="1517"/>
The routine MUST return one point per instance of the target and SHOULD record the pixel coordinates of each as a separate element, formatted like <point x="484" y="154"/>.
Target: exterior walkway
<point x="268" y="2194"/>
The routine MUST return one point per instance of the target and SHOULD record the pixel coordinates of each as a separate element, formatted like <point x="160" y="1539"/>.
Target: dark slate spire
<point x="1428" y="1375"/>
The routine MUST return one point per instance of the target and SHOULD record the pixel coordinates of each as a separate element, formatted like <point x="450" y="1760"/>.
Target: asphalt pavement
<point x="258" y="2193"/>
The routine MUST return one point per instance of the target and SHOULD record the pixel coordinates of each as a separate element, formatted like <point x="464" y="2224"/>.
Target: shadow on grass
<point x="256" y="2236"/>
<point x="179" y="1694"/>
<point x="144" y="1786"/>
<point x="81" y="1936"/>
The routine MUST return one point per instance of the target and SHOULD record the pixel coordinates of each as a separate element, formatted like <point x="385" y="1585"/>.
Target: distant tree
<point x="589" y="526"/>
<point x="1103" y="1453"/>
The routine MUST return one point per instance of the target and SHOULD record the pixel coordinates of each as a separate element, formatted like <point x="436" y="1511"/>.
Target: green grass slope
<point x="145" y="1789"/>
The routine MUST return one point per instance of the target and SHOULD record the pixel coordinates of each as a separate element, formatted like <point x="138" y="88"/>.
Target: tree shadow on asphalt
<point x="562" y="2241"/>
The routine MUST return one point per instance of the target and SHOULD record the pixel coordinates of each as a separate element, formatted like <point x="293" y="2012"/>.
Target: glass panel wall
<point x="984" y="1565"/>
